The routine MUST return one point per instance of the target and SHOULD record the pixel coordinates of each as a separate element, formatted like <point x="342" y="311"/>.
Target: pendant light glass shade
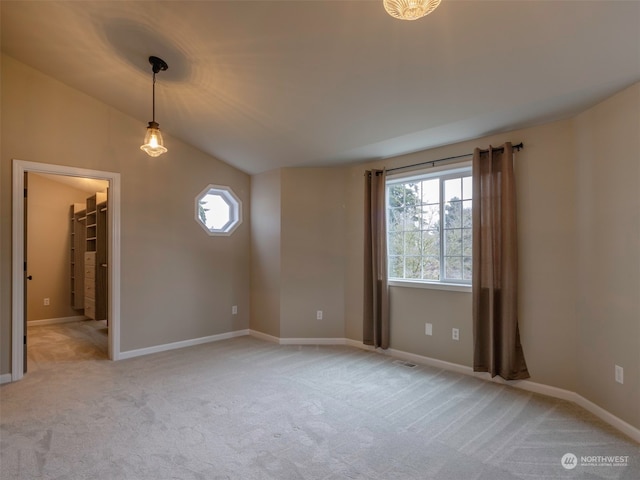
<point x="410" y="9"/>
<point x="153" y="143"/>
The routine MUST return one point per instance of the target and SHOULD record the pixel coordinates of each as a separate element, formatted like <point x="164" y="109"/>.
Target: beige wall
<point x="411" y="308"/>
<point x="48" y="247"/>
<point x="546" y="203"/>
<point x="578" y="209"/>
<point x="608" y="240"/>
<point x="578" y="241"/>
<point x="579" y="247"/>
<point x="265" y="253"/>
<point x="178" y="283"/>
<point x="298" y="252"/>
<point x="313" y="252"/>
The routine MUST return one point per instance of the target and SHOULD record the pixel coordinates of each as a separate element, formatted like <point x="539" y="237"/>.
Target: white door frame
<point x="20" y="167"/>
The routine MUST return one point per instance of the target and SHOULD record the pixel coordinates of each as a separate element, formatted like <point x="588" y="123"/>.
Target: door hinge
<point x="25" y="339"/>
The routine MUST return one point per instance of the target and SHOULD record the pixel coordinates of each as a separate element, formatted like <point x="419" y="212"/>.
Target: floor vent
<point x="405" y="364"/>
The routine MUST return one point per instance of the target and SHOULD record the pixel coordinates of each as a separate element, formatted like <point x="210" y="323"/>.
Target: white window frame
<point x="235" y="209"/>
<point x="443" y="172"/>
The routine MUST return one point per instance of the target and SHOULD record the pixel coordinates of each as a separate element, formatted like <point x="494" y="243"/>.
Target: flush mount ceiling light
<point x="410" y="9"/>
<point x="153" y="143"/>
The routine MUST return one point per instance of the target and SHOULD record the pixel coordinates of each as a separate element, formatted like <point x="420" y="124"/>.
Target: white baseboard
<point x="312" y="341"/>
<point x="608" y="417"/>
<point x="182" y="344"/>
<point x="527" y="385"/>
<point x="297" y="341"/>
<point x="264" y="336"/>
<point x="432" y="362"/>
<point x="358" y="344"/>
<point x="52" y="321"/>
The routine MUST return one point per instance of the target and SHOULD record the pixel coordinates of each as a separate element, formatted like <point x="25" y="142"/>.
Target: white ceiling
<point x="269" y="84"/>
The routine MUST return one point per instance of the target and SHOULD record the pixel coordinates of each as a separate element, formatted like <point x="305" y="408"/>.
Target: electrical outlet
<point x="46" y="301"/>
<point x="428" y="329"/>
<point x="619" y="374"/>
<point x="234" y="310"/>
<point x="455" y="334"/>
<point x="319" y="315"/>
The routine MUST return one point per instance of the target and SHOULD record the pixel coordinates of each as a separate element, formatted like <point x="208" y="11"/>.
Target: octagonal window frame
<point x="235" y="209"/>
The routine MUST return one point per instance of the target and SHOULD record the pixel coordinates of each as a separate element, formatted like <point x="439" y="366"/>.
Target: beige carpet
<point x="246" y="409"/>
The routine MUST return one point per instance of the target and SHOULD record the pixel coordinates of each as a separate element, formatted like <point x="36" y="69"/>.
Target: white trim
<point x="301" y="341"/>
<point x="432" y="362"/>
<point x="358" y="344"/>
<point x="608" y="417"/>
<point x="453" y="287"/>
<point x="232" y="201"/>
<point x="5" y="378"/>
<point x="182" y="344"/>
<point x="264" y="336"/>
<point x="313" y="341"/>
<point x="527" y="385"/>
<point x="20" y="167"/>
<point x="53" y="321"/>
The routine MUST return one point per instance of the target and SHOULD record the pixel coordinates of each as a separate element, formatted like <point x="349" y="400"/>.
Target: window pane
<point x="430" y="217"/>
<point x="453" y="215"/>
<point x="467" y="188"/>
<point x="467" y="242"/>
<point x="214" y="211"/>
<point x="431" y="243"/>
<point x="395" y="219"/>
<point x="467" y="270"/>
<point x="467" y="214"/>
<point x="431" y="191"/>
<point x="417" y="246"/>
<point x="412" y="194"/>
<point x="412" y="243"/>
<point x="396" y="267"/>
<point x="412" y="267"/>
<point x="453" y="242"/>
<point x="453" y="189"/>
<point x="430" y="268"/>
<point x="453" y="268"/>
<point x="395" y="243"/>
<point x="396" y="196"/>
<point x="411" y="218"/>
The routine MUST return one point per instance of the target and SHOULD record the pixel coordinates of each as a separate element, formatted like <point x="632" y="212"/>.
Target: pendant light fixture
<point x="153" y="143"/>
<point x="410" y="9"/>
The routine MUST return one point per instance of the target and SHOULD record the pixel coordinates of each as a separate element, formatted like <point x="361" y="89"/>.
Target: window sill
<point x="452" y="287"/>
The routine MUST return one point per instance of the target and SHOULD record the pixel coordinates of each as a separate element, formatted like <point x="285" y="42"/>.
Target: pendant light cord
<point x="153" y="101"/>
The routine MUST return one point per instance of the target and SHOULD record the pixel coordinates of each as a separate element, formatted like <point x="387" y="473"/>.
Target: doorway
<point x="20" y="169"/>
<point x="65" y="310"/>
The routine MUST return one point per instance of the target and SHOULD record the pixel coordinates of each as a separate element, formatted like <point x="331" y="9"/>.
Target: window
<point x="429" y="233"/>
<point x="218" y="210"/>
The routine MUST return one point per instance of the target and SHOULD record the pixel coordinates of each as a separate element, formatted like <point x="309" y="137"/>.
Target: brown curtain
<point x="496" y="338"/>
<point x="376" y="291"/>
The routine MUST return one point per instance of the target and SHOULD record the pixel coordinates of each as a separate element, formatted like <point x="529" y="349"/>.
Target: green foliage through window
<point x="429" y="227"/>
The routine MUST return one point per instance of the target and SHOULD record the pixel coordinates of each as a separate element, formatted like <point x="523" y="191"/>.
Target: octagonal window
<point x="218" y="210"/>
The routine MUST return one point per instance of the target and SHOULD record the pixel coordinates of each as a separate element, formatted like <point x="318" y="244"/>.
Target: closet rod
<point x="433" y="162"/>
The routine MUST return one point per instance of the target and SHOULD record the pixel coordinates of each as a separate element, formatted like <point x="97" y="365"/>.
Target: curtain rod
<point x="433" y="162"/>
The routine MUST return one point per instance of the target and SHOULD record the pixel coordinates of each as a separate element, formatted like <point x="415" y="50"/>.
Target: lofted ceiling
<point x="270" y="84"/>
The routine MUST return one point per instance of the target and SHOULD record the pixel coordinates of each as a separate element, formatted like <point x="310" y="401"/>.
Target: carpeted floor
<point x="246" y="409"/>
